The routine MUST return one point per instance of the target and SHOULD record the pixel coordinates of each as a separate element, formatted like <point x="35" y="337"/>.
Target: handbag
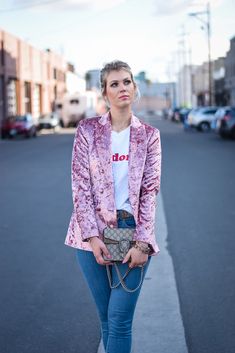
<point x="118" y="242"/>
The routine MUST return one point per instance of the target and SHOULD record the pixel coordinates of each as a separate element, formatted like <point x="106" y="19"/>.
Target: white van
<point x="74" y="107"/>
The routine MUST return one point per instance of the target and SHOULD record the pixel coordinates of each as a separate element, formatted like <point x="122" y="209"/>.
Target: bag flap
<point x="119" y="233"/>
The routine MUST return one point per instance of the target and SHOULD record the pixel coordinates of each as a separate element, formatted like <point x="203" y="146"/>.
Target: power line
<point x="28" y="6"/>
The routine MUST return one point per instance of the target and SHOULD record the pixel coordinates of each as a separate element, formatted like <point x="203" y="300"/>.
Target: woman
<point x="116" y="167"/>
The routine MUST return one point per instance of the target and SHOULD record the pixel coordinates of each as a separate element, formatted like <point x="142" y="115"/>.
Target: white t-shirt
<point x="120" y="156"/>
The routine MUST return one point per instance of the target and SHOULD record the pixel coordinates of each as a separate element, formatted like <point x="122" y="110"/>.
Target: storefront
<point x="11" y="97"/>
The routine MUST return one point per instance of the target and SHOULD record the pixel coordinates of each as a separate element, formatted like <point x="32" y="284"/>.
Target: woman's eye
<point x="114" y="84"/>
<point x="127" y="82"/>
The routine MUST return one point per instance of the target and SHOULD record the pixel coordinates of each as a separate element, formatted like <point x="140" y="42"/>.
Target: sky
<point x="155" y="36"/>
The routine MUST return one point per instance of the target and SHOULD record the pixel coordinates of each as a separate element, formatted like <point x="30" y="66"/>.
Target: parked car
<point x="202" y="118"/>
<point x="19" y="125"/>
<point x="49" y="121"/>
<point x="220" y="113"/>
<point x="226" y="125"/>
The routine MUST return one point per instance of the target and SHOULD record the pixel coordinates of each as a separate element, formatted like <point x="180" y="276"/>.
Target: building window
<point x="2" y="100"/>
<point x="11" y="97"/>
<point x="27" y="97"/>
<point x="55" y="74"/>
<point x="2" y="54"/>
<point x="55" y="92"/>
<point x="74" y="101"/>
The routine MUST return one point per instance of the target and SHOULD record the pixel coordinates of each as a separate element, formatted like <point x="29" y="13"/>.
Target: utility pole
<point x="191" y="80"/>
<point x="174" y="73"/>
<point x="182" y="67"/>
<point x="209" y="52"/>
<point x="207" y="25"/>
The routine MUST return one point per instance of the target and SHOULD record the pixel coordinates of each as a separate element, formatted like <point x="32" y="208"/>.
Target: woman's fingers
<point x="99" y="256"/>
<point x="99" y="249"/>
<point x="137" y="258"/>
<point x="105" y="251"/>
<point x="101" y="260"/>
<point x="127" y="257"/>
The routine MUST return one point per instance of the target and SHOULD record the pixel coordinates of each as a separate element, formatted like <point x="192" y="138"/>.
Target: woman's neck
<point x="120" y="119"/>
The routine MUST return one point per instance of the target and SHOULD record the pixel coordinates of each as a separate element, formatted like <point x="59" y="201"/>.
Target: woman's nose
<point x="122" y="87"/>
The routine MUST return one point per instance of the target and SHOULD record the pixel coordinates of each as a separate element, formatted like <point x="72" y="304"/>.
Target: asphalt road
<point x="45" y="306"/>
<point x="199" y="198"/>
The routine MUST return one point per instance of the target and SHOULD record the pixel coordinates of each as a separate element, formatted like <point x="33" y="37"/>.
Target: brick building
<point x="30" y="79"/>
<point x="230" y="72"/>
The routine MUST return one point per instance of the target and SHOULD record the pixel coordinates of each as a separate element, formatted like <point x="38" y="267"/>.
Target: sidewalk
<point x="157" y="326"/>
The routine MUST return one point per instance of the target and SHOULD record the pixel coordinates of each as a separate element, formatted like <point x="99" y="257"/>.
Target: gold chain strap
<point x="121" y="279"/>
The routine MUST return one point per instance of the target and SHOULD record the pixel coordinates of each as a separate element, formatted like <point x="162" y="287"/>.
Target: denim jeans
<point x="115" y="306"/>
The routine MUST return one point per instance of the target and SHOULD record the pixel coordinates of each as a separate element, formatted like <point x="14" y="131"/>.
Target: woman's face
<point x="120" y="89"/>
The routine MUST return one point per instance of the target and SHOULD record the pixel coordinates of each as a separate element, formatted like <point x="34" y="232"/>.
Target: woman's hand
<point x="137" y="257"/>
<point x="99" y="248"/>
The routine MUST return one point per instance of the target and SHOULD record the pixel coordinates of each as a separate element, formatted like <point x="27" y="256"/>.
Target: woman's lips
<point x="124" y="97"/>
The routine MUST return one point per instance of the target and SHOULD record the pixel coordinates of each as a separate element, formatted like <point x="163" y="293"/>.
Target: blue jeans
<point x="115" y="306"/>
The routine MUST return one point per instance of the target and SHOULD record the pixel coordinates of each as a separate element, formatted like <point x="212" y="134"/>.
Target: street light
<point x="208" y="28"/>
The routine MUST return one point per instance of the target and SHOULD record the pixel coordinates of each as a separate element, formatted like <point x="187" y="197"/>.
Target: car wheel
<point x="204" y="126"/>
<point x="223" y="135"/>
<point x="29" y="134"/>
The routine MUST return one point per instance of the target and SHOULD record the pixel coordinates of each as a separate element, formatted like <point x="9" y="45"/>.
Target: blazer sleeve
<point x="150" y="186"/>
<point x="81" y="187"/>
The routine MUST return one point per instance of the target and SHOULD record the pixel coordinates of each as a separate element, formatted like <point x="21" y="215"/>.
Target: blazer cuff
<point x="89" y="237"/>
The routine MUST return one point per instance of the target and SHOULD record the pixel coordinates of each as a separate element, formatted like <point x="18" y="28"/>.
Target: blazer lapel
<point x="137" y="156"/>
<point x="103" y="146"/>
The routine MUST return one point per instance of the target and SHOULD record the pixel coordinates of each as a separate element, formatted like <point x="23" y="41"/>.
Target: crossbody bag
<point x="118" y="242"/>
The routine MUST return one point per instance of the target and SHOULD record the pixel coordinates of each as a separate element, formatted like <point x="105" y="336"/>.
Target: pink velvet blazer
<point x="93" y="186"/>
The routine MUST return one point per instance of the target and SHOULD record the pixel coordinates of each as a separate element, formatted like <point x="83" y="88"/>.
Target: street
<point x="45" y="304"/>
<point x="199" y="197"/>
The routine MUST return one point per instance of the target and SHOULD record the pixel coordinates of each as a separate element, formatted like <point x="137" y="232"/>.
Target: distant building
<point x="221" y="96"/>
<point x="92" y="79"/>
<point x="201" y="84"/>
<point x="186" y="95"/>
<point x="193" y="84"/>
<point x="155" y="96"/>
<point x="30" y="79"/>
<point x="74" y="82"/>
<point x="230" y="72"/>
